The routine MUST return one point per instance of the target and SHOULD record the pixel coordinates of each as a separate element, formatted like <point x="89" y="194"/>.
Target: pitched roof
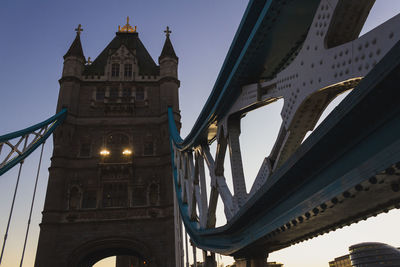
<point x="147" y="66"/>
<point x="75" y="48"/>
<point x="168" y="50"/>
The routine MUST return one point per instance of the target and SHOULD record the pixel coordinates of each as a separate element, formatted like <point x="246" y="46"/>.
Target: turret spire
<point x="168" y="49"/>
<point x="76" y="46"/>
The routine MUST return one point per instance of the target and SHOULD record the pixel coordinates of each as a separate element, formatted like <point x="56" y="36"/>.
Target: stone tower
<point x="110" y="188"/>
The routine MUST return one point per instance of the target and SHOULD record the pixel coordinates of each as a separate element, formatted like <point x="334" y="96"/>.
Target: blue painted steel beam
<point x="53" y="122"/>
<point x="359" y="139"/>
<point x="270" y="31"/>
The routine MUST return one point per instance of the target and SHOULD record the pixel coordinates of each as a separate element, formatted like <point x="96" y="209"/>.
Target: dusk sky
<point x="36" y="35"/>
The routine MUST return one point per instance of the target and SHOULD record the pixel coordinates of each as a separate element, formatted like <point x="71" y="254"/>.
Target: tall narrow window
<point x="115" y="70"/>
<point x="89" y="199"/>
<point x="153" y="194"/>
<point x="139" y="94"/>
<point x="115" y="195"/>
<point x="148" y="149"/>
<point x="100" y="94"/>
<point x="113" y="94"/>
<point x="128" y="70"/>
<point x="126" y="95"/>
<point x="139" y="196"/>
<point x="74" y="198"/>
<point x="84" y="150"/>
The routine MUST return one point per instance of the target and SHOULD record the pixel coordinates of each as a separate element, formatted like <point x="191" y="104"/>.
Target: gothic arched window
<point x="148" y="145"/>
<point x="74" y="198"/>
<point x="153" y="194"/>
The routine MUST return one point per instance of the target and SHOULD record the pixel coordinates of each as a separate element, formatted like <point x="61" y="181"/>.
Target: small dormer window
<point x="115" y="70"/>
<point x="128" y="70"/>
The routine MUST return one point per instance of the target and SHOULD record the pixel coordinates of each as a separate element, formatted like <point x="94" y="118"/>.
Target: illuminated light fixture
<point x="127" y="152"/>
<point x="104" y="152"/>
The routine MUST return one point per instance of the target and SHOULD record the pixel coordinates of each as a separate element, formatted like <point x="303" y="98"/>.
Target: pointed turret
<point x="168" y="49"/>
<point x="74" y="60"/>
<point x="76" y="48"/>
<point x="168" y="60"/>
<point x="74" y="64"/>
<point x="169" y="82"/>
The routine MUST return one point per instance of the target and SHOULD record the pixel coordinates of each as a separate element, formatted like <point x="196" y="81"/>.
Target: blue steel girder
<point x="265" y="24"/>
<point x="22" y="147"/>
<point x="345" y="171"/>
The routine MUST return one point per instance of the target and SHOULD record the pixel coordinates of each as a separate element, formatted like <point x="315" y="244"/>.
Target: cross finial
<point x="167" y="31"/>
<point x="79" y="29"/>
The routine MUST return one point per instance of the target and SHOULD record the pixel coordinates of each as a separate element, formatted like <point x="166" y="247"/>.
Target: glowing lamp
<point x="104" y="152"/>
<point x="127" y="152"/>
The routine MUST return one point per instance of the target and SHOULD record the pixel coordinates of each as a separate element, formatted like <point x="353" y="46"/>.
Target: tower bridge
<point x="116" y="141"/>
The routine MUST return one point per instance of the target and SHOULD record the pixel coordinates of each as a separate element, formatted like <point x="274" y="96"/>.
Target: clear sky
<point x="36" y="34"/>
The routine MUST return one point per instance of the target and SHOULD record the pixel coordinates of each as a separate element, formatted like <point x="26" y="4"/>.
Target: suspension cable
<point x="11" y="212"/>
<point x="32" y="202"/>
<point x="12" y="205"/>
<point x="194" y="254"/>
<point x="186" y="248"/>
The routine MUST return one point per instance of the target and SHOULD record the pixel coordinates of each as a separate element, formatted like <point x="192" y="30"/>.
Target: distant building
<point x="129" y="261"/>
<point x="269" y="264"/>
<point x="343" y="261"/>
<point x="274" y="264"/>
<point x="369" y="254"/>
<point x="374" y="254"/>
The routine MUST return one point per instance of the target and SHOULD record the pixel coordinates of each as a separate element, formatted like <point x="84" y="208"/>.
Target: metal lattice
<point x="16" y="146"/>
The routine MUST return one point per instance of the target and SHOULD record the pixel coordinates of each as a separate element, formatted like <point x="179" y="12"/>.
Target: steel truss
<point x="22" y="143"/>
<point x="330" y="59"/>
